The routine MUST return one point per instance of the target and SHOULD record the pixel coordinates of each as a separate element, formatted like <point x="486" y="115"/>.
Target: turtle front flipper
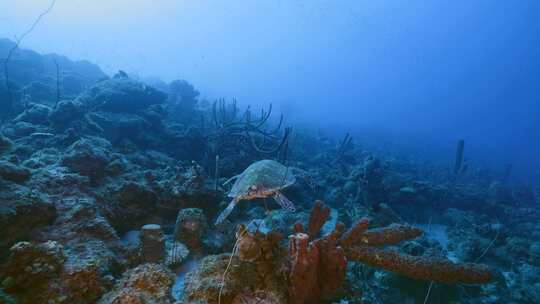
<point x="225" y="213"/>
<point x="284" y="202"/>
<point x="231" y="179"/>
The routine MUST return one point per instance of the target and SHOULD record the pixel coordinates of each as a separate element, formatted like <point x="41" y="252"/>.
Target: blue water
<point x="131" y="238"/>
<point x="187" y="266"/>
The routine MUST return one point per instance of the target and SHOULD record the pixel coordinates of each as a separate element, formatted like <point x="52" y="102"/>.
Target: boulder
<point x="132" y="205"/>
<point x="5" y="144"/>
<point x="13" y="172"/>
<point x="37" y="114"/>
<point x="51" y="273"/>
<point x="121" y="95"/>
<point x="88" y="156"/>
<point x="21" y="129"/>
<point x="66" y="111"/>
<point x="20" y="212"/>
<point x="147" y="283"/>
<point x="243" y="280"/>
<point x="31" y="266"/>
<point x="117" y="126"/>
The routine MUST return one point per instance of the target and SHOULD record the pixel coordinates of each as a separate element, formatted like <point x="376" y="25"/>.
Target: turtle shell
<point x="266" y="173"/>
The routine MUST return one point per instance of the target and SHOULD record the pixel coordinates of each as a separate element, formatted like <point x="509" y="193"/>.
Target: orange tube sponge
<point x="421" y="268"/>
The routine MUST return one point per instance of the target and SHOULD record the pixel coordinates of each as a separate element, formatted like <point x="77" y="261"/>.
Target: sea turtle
<point x="261" y="179"/>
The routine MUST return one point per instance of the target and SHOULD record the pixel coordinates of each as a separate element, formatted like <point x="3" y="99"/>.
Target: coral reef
<point x="88" y="156"/>
<point x="5" y="144"/>
<point x="183" y="100"/>
<point x="20" y="214"/>
<point x="190" y="228"/>
<point x="12" y="172"/>
<point x="314" y="269"/>
<point x="80" y="176"/>
<point x="318" y="267"/>
<point x="243" y="138"/>
<point x="147" y="283"/>
<point x="31" y="266"/>
<point x="35" y="77"/>
<point x="120" y="95"/>
<point x="203" y="285"/>
<point x="37" y="114"/>
<point x="39" y="274"/>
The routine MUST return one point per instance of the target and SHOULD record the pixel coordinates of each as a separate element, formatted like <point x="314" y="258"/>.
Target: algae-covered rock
<point x="36" y="114"/>
<point x="258" y="297"/>
<point x="203" y="283"/>
<point x="12" y="172"/>
<point x="31" y="267"/>
<point x="82" y="284"/>
<point x="119" y="126"/>
<point x="5" y="144"/>
<point x="20" y="213"/>
<point x="66" y="111"/>
<point x="242" y="279"/>
<point x="147" y="283"/>
<point x="86" y="273"/>
<point x="132" y="203"/>
<point x="121" y="95"/>
<point x="51" y="273"/>
<point x="22" y="128"/>
<point x="88" y="156"/>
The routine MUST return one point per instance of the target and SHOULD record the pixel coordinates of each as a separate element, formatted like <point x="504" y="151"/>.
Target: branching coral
<point x="234" y="130"/>
<point x="344" y="146"/>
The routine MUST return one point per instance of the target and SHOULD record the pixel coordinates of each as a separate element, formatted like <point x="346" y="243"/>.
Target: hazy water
<point x="416" y="75"/>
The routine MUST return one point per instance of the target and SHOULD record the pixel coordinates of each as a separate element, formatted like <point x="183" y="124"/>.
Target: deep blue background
<point x="410" y="76"/>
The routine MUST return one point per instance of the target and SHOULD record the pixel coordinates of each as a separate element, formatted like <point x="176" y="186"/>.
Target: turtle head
<point x="256" y="191"/>
<point x="253" y="191"/>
